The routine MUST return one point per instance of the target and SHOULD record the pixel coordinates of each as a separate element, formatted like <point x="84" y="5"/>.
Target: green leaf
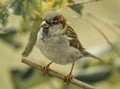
<point x="7" y="35"/>
<point x="57" y="2"/>
<point x="17" y="6"/>
<point x="77" y="7"/>
<point x="70" y="1"/>
<point x="27" y="78"/>
<point x="3" y="15"/>
<point x="94" y="74"/>
<point x="32" y="38"/>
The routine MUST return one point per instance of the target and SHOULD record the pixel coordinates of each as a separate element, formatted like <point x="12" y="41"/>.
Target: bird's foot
<point x="68" y="78"/>
<point x="46" y="68"/>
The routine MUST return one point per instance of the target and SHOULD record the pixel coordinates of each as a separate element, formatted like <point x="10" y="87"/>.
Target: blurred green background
<point x="20" y="18"/>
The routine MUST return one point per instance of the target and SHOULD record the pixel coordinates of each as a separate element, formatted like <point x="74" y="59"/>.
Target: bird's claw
<point x="68" y="78"/>
<point x="45" y="69"/>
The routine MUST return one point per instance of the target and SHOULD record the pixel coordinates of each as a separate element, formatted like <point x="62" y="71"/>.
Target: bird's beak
<point x="44" y="24"/>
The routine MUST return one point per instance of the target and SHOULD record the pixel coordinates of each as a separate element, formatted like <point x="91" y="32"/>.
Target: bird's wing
<point x="74" y="41"/>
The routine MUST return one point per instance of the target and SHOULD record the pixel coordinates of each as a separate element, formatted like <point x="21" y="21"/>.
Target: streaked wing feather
<point x="74" y="42"/>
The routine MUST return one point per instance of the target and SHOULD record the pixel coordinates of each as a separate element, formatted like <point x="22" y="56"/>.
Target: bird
<point x="59" y="43"/>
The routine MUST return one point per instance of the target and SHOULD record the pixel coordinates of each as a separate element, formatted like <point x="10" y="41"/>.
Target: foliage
<point x="31" y="12"/>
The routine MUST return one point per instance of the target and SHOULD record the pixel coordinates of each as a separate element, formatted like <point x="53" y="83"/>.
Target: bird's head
<point x="53" y="22"/>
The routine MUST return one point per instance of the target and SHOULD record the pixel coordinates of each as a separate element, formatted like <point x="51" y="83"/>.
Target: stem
<point x="107" y="40"/>
<point x="58" y="75"/>
<point x="82" y="2"/>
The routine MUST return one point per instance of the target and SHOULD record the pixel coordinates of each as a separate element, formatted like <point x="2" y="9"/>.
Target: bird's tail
<point x="85" y="53"/>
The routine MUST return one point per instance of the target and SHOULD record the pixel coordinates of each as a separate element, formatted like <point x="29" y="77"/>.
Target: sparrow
<point x="59" y="43"/>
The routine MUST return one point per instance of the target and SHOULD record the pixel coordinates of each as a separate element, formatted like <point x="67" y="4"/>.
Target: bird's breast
<point x="58" y="50"/>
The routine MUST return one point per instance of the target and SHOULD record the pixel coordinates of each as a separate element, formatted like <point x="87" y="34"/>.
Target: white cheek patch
<point x="39" y="35"/>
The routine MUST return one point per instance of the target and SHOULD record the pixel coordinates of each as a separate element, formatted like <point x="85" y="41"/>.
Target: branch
<point x="107" y="40"/>
<point x="58" y="75"/>
<point x="107" y="23"/>
<point x="82" y="2"/>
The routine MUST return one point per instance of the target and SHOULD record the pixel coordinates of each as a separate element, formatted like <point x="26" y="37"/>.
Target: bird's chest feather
<point x="53" y="46"/>
<point x="58" y="50"/>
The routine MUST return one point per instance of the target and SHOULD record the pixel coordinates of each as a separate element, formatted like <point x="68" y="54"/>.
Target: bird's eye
<point x="54" y="22"/>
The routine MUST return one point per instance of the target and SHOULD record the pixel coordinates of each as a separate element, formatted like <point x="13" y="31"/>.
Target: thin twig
<point x="58" y="75"/>
<point x="88" y="1"/>
<point x="109" y="24"/>
<point x="108" y="41"/>
<point x="82" y="2"/>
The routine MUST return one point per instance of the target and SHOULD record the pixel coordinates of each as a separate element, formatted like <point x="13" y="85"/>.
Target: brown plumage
<point x="59" y="42"/>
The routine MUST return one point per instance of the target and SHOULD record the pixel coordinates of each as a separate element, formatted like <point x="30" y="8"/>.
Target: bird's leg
<point x="46" y="68"/>
<point x="69" y="76"/>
